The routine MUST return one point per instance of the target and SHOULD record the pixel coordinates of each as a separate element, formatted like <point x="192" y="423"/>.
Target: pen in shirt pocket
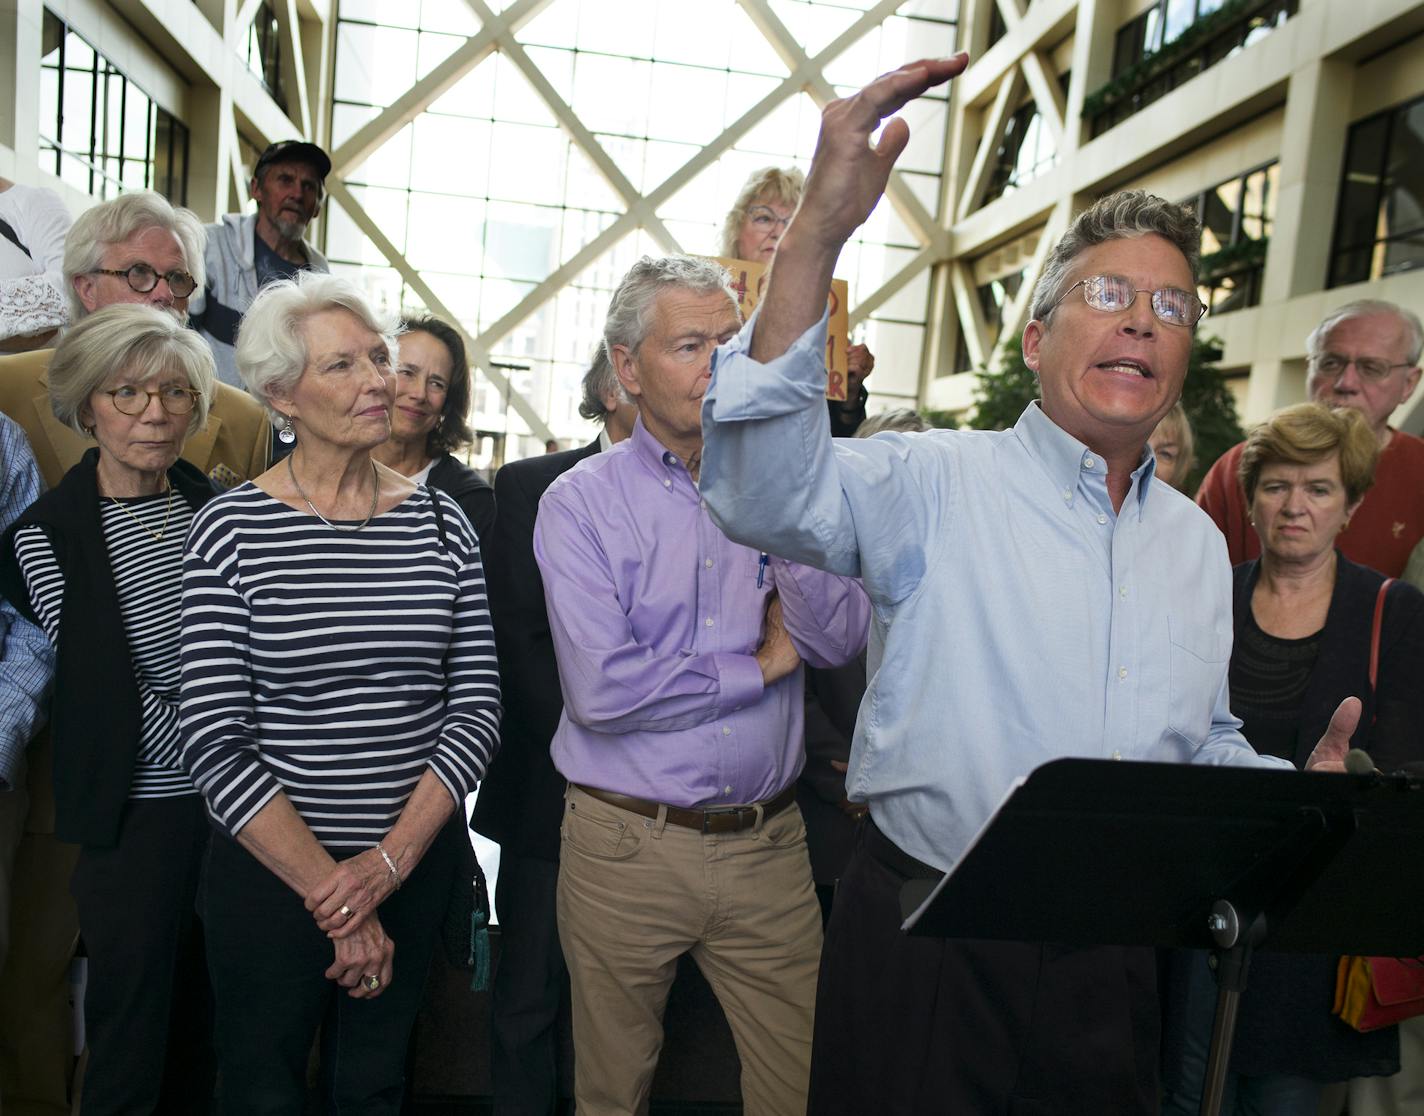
<point x="761" y="568"/>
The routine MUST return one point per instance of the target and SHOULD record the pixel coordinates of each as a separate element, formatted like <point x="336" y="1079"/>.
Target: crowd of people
<point x="726" y="677"/>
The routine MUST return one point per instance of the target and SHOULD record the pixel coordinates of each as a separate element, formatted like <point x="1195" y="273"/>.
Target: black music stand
<point x="1223" y="858"/>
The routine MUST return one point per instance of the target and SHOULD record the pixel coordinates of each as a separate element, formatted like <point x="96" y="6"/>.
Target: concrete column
<point x="1313" y="133"/>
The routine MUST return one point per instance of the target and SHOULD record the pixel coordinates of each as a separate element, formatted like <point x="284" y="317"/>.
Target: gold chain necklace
<point x="157" y="535"/>
<point x="375" y="495"/>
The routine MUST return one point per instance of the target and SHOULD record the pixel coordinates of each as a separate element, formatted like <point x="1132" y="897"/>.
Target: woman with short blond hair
<point x="1304" y="635"/>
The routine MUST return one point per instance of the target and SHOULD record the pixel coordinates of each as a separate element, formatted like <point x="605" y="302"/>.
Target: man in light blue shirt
<point x="1037" y="594"/>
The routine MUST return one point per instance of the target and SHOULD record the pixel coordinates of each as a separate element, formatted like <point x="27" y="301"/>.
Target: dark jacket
<point x="521" y="801"/>
<point x="468" y="489"/>
<point x="1390" y="726"/>
<point x="96" y="718"/>
<point x="1285" y="1025"/>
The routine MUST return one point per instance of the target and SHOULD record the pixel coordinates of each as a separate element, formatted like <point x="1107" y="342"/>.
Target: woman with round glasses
<point x="751" y="231"/>
<point x="340" y="701"/>
<point x="1304" y="641"/>
<point x="97" y="563"/>
<point x="428" y="420"/>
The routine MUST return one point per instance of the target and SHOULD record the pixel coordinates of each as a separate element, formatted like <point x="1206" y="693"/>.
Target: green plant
<point x="1002" y="396"/>
<point x="1151" y="66"/>
<point x="1234" y="257"/>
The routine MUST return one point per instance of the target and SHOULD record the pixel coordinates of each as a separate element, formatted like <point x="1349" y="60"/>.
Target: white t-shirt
<point x="32" y="287"/>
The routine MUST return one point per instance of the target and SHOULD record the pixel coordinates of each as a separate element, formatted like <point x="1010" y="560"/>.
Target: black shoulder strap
<point x="439" y="517"/>
<point x="9" y="234"/>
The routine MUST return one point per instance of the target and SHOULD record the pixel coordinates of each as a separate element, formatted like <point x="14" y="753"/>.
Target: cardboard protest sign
<point x="748" y="282"/>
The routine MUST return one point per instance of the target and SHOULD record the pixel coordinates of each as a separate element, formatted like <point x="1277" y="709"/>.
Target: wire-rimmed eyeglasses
<point x="1113" y="294"/>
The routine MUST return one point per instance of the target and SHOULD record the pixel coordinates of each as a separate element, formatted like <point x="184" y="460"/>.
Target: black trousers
<point x="147" y="1007"/>
<point x="531" y="982"/>
<point x="918" y="1026"/>
<point x="268" y="961"/>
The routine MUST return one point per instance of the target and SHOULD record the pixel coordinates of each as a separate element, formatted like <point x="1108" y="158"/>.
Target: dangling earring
<point x="285" y="434"/>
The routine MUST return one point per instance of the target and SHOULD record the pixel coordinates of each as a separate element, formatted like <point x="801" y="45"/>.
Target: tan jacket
<point x="236" y="445"/>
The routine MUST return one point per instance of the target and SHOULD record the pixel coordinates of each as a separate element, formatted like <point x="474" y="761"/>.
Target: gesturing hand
<point x="1329" y="754"/>
<point x="364" y="960"/>
<point x="848" y="175"/>
<point x="359" y="885"/>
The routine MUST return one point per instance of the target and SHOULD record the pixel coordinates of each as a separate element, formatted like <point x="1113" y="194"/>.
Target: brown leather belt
<point x="710" y="819"/>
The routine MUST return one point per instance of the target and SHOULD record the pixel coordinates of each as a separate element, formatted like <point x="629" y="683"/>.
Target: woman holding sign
<point x="751" y="232"/>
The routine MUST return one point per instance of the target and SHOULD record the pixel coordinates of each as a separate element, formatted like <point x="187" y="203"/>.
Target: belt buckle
<point x="709" y="812"/>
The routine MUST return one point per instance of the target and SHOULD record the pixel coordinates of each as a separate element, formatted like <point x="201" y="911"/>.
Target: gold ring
<point x="372" y="981"/>
<point x="345" y="911"/>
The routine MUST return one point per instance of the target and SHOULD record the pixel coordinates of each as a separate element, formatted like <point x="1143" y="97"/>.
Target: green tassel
<point x="479" y="962"/>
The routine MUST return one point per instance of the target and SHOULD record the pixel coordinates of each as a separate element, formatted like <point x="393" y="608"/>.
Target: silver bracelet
<point x="391" y="864"/>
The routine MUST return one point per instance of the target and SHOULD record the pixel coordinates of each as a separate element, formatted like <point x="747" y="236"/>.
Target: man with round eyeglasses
<point x="1363" y="355"/>
<point x="1037" y="595"/>
<point x="136" y="248"/>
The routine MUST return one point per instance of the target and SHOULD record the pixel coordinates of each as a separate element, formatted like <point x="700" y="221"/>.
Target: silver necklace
<point x="375" y="495"/>
<point x="157" y="535"/>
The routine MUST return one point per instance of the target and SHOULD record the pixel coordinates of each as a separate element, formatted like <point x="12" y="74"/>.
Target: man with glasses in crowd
<point x="1036" y="596"/>
<point x="245" y="252"/>
<point x="136" y="248"/>
<point x="1365" y="355"/>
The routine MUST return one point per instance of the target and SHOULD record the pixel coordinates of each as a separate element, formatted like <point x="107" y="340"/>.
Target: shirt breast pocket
<point x="1196" y="663"/>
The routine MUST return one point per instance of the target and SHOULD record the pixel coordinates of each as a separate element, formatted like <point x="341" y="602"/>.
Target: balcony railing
<point x="1232" y="27"/>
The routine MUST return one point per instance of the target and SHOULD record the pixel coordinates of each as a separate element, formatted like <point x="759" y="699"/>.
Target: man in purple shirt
<point x="679" y="657"/>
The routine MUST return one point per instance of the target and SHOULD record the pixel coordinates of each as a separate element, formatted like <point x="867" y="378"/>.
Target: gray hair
<point x="901" y="420"/>
<point x="271" y="344"/>
<point x="1362" y="308"/>
<point x="113" y="222"/>
<point x="1118" y="216"/>
<point x="127" y="337"/>
<point x="782" y="185"/>
<point x="631" y="308"/>
<point x="598" y="382"/>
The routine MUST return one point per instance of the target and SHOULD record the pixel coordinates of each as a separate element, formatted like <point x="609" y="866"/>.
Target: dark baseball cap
<point x="299" y="151"/>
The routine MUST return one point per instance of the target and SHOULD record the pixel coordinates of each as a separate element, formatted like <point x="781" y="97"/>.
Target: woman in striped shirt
<point x="340" y="699"/>
<point x="97" y="563"/>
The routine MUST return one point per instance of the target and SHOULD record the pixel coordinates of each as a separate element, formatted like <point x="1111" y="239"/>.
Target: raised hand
<point x="1329" y="754"/>
<point x="848" y="175"/>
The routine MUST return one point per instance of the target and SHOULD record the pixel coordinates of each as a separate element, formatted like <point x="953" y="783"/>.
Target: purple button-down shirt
<point x="656" y="618"/>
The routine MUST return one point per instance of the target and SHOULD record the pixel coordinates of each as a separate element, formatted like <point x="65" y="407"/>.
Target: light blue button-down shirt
<point x="1017" y="617"/>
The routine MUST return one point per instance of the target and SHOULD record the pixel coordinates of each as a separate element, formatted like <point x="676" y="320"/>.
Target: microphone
<point x="1358" y="762"/>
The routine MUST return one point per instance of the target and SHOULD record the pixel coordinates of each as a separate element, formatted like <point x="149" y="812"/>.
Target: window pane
<point x="1360" y="192"/>
<point x="1404" y="181"/>
<point x="1219" y="216"/>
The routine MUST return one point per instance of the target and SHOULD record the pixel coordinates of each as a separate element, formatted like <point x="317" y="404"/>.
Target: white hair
<point x="271" y="344"/>
<point x="1364" y="308"/>
<point x="113" y="222"/>
<point x="127" y="337"/>
<point x="631" y="309"/>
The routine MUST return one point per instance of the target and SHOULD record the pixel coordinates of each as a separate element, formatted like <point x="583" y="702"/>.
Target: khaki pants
<point x="634" y="895"/>
<point x="1402" y="1094"/>
<point x="36" y="1022"/>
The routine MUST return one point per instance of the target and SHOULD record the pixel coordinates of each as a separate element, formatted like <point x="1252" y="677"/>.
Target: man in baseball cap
<point x="245" y="252"/>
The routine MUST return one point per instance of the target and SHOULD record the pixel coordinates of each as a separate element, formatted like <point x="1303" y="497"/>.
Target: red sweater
<point x="1382" y="534"/>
